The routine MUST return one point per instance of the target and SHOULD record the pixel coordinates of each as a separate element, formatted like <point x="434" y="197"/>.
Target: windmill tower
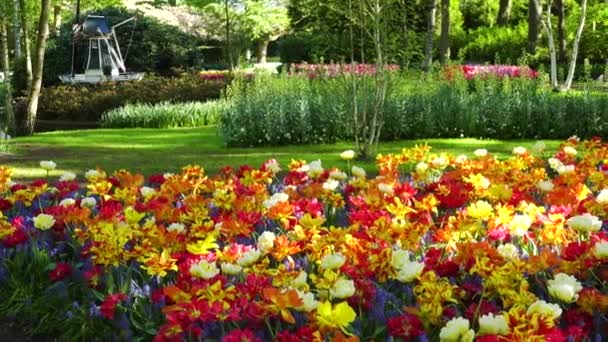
<point x="104" y="60"/>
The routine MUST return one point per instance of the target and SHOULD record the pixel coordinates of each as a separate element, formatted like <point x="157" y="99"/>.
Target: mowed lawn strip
<point x="154" y="151"/>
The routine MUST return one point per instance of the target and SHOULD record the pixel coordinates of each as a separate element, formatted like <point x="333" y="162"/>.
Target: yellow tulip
<point x="338" y="316"/>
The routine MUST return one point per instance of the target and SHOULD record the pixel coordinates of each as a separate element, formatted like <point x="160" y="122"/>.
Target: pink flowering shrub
<point x="470" y="71"/>
<point x="333" y="70"/>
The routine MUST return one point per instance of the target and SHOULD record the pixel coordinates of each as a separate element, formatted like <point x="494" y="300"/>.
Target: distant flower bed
<point x="213" y="74"/>
<point x="221" y="75"/>
<point x="333" y="70"/>
<point x="457" y="249"/>
<point x="480" y="71"/>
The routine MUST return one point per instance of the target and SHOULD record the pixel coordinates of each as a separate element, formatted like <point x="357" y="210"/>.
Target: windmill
<point x="104" y="60"/>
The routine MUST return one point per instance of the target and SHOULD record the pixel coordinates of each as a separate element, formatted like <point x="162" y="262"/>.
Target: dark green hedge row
<point x="88" y="103"/>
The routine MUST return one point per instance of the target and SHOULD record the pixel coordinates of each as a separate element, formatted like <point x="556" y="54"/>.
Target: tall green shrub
<point x="282" y="110"/>
<point x="295" y="110"/>
<point x="495" y="44"/>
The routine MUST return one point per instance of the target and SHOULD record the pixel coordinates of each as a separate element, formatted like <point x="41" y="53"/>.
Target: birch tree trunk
<point x="228" y="44"/>
<point x="9" y="121"/>
<point x="606" y="68"/>
<point x="27" y="52"/>
<point x="444" y="42"/>
<point x="430" y="32"/>
<point x="16" y="29"/>
<point x="34" y="90"/>
<point x="351" y="76"/>
<point x="552" y="51"/>
<point x="561" y="29"/>
<point x="380" y="82"/>
<point x="577" y="39"/>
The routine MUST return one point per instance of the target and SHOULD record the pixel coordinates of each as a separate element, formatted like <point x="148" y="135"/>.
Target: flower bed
<point x="332" y="70"/>
<point x="224" y="75"/>
<point x="458" y="248"/>
<point x="470" y="71"/>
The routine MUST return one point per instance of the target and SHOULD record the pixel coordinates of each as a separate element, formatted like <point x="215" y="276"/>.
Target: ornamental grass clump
<point x="165" y="115"/>
<point x="458" y="249"/>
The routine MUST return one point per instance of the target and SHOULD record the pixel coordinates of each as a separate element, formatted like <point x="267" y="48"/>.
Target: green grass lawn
<point x="151" y="151"/>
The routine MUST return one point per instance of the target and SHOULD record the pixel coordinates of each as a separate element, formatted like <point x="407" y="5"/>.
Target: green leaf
<point x="98" y="294"/>
<point x="151" y="331"/>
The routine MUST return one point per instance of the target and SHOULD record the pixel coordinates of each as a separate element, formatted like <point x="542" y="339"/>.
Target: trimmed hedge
<point x="284" y="110"/>
<point x="88" y="103"/>
<point x="164" y="115"/>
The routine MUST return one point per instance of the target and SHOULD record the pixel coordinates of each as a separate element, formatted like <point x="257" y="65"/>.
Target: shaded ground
<point x="9" y="333"/>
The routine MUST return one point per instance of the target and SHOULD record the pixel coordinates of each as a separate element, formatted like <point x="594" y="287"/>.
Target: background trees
<point x="475" y="31"/>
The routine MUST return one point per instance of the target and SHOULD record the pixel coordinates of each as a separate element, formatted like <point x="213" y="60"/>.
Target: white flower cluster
<point x="564" y="287"/>
<point x="275" y="199"/>
<point x="601" y="250"/>
<point x="48" y="165"/>
<point x="67" y="176"/>
<point x="407" y="271"/>
<point x="519" y="150"/>
<point x="347" y="155"/>
<point x="177" y="227"/>
<point x="508" y="251"/>
<point x="585" y="223"/>
<point x="558" y="166"/>
<point x="315" y="169"/>
<point x="520" y="224"/>
<point x="343" y="288"/>
<point x="602" y="197"/>
<point x="549" y="310"/>
<point x="493" y="325"/>
<point x="249" y="257"/>
<point x="457" y="330"/>
<point x="333" y="261"/>
<point x="205" y="270"/>
<point x="266" y="241"/>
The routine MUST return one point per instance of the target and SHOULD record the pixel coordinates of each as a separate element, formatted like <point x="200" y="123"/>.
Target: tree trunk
<point x="262" y="50"/>
<point x="405" y="28"/>
<point x="552" y="51"/>
<point x="533" y="26"/>
<point x="504" y="13"/>
<point x="353" y="79"/>
<point x="561" y="29"/>
<point x="228" y="44"/>
<point x="380" y="85"/>
<point x="577" y="39"/>
<point x="56" y="19"/>
<point x="16" y="29"/>
<point x="9" y="121"/>
<point x="34" y="90"/>
<point x="430" y="33"/>
<point x="27" y="52"/>
<point x="444" y="42"/>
